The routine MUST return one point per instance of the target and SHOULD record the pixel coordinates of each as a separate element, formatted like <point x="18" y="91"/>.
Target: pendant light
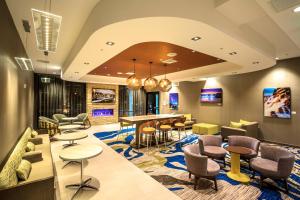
<point x="133" y="82"/>
<point x="150" y="83"/>
<point x="165" y="84"/>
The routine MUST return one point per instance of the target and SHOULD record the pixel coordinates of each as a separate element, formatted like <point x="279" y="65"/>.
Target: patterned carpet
<point x="167" y="166"/>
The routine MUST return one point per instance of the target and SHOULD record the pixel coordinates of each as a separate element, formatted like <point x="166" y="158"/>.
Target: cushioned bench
<point x="205" y="129"/>
<point x="40" y="183"/>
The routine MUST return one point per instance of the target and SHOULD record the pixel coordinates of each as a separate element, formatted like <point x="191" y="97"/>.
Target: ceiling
<point x="160" y="53"/>
<point x="258" y="31"/>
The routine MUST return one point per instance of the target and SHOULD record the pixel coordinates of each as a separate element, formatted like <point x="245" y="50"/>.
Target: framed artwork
<point x="277" y="102"/>
<point x="212" y="95"/>
<point x="173" y="101"/>
<point x="103" y="95"/>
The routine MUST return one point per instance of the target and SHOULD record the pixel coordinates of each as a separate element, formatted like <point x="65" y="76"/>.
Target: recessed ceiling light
<point x="119" y="73"/>
<point x="108" y="74"/>
<point x="110" y="43"/>
<point x="171" y="54"/>
<point x="277" y="58"/>
<point x="193" y="51"/>
<point x="196" y="38"/>
<point x="297" y="9"/>
<point x="233" y="53"/>
<point x="130" y="73"/>
<point x="86" y="63"/>
<point x="255" y="62"/>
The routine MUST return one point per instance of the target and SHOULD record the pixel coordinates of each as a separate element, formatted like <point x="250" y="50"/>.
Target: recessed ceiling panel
<point x="176" y="57"/>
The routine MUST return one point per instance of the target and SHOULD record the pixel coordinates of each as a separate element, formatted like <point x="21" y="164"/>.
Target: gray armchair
<point x="82" y="119"/>
<point x="211" y="146"/>
<point x="275" y="163"/>
<point x="250" y="130"/>
<point x="199" y="165"/>
<point x="59" y="118"/>
<point x="248" y="142"/>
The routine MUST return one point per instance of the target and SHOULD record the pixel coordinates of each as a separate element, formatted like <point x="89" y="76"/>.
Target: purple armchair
<point x="199" y="165"/>
<point x="275" y="163"/>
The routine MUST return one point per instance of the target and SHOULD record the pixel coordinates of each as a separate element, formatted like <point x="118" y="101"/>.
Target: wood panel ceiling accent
<point x="122" y="63"/>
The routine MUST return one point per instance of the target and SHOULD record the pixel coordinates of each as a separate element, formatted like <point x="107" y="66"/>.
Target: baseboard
<point x="280" y="143"/>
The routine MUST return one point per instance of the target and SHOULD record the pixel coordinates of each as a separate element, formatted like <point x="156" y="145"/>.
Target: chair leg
<point x="156" y="141"/>
<point x="216" y="185"/>
<point x="286" y="186"/>
<point x="147" y="142"/>
<point x="261" y="182"/>
<point x="253" y="173"/>
<point x="224" y="162"/>
<point x="190" y="174"/>
<point x="196" y="182"/>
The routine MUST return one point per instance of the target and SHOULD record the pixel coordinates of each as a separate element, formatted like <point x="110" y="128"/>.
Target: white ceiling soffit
<point x="130" y="22"/>
<point x="74" y="14"/>
<point x="284" y="17"/>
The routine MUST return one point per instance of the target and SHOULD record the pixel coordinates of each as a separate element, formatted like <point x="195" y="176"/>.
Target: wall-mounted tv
<point x="103" y="95"/>
<point x="212" y="95"/>
<point x="173" y="101"/>
<point x="277" y="102"/>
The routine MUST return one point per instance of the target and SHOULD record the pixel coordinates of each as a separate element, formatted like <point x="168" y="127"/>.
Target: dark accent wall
<point x="16" y="86"/>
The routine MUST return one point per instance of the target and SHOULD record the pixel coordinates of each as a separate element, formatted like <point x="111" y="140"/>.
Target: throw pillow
<point x="34" y="134"/>
<point x="23" y="170"/>
<point x="30" y="147"/>
<point x="235" y="125"/>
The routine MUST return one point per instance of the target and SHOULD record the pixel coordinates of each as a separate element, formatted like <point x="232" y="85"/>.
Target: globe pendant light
<point x="165" y="84"/>
<point x="133" y="82"/>
<point x="150" y="83"/>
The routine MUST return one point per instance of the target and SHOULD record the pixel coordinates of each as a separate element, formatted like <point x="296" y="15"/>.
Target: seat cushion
<point x="148" y="129"/>
<point x="189" y="122"/>
<point x="214" y="151"/>
<point x="253" y="154"/>
<point x="268" y="168"/>
<point x="179" y="124"/>
<point x="165" y="127"/>
<point x="213" y="168"/>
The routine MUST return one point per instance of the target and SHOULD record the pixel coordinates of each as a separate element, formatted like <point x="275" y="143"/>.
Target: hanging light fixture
<point x="46" y="26"/>
<point x="165" y="84"/>
<point x="133" y="82"/>
<point x="150" y="83"/>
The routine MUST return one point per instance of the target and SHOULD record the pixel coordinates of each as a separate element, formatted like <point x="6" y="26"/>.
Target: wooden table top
<point x="142" y="118"/>
<point x="238" y="150"/>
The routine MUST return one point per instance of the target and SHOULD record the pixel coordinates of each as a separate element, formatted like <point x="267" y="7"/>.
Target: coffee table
<point x="70" y="119"/>
<point x="71" y="138"/>
<point x="69" y="128"/>
<point x="81" y="153"/>
<point x="235" y="170"/>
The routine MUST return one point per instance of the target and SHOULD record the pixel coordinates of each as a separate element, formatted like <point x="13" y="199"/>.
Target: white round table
<point x="71" y="138"/>
<point x="70" y="119"/>
<point x="81" y="153"/>
<point x="68" y="128"/>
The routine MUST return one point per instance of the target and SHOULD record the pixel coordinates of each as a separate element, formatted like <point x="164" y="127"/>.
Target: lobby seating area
<point x="149" y="100"/>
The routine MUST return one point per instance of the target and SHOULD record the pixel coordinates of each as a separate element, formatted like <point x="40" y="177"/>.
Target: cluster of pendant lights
<point x="150" y="84"/>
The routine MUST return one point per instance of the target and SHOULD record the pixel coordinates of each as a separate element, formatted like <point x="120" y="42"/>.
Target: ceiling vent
<point x="280" y="5"/>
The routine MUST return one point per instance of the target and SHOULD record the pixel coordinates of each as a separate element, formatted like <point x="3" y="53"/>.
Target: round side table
<point x="71" y="138"/>
<point x="81" y="153"/>
<point x="68" y="128"/>
<point x="235" y="170"/>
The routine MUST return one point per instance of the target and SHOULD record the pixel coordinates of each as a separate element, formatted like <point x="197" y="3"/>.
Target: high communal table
<point x="138" y="120"/>
<point x="235" y="171"/>
<point x="80" y="153"/>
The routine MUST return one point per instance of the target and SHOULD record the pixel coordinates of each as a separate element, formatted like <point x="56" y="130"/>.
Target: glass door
<point x="152" y="103"/>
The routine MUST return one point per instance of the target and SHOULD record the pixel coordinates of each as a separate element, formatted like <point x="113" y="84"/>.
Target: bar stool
<point x="149" y="131"/>
<point x="180" y="126"/>
<point x="122" y="126"/>
<point x="164" y="127"/>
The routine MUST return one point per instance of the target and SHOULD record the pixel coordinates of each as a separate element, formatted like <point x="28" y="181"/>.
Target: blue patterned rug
<point x="167" y="166"/>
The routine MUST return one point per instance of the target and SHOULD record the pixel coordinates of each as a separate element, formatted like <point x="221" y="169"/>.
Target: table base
<point x="235" y="171"/>
<point x="71" y="143"/>
<point x="81" y="186"/>
<point x="70" y="162"/>
<point x="243" y="178"/>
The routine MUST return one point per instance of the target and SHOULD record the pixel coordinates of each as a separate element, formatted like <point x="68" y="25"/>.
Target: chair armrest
<point x="227" y="131"/>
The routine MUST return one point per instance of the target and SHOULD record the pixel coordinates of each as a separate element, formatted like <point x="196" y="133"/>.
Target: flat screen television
<point x="277" y="102"/>
<point x="100" y="95"/>
<point x="212" y="95"/>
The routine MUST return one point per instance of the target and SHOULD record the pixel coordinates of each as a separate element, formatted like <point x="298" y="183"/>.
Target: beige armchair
<point x="248" y="142"/>
<point x="275" y="163"/>
<point x="250" y="129"/>
<point x="211" y="146"/>
<point x="199" y="165"/>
